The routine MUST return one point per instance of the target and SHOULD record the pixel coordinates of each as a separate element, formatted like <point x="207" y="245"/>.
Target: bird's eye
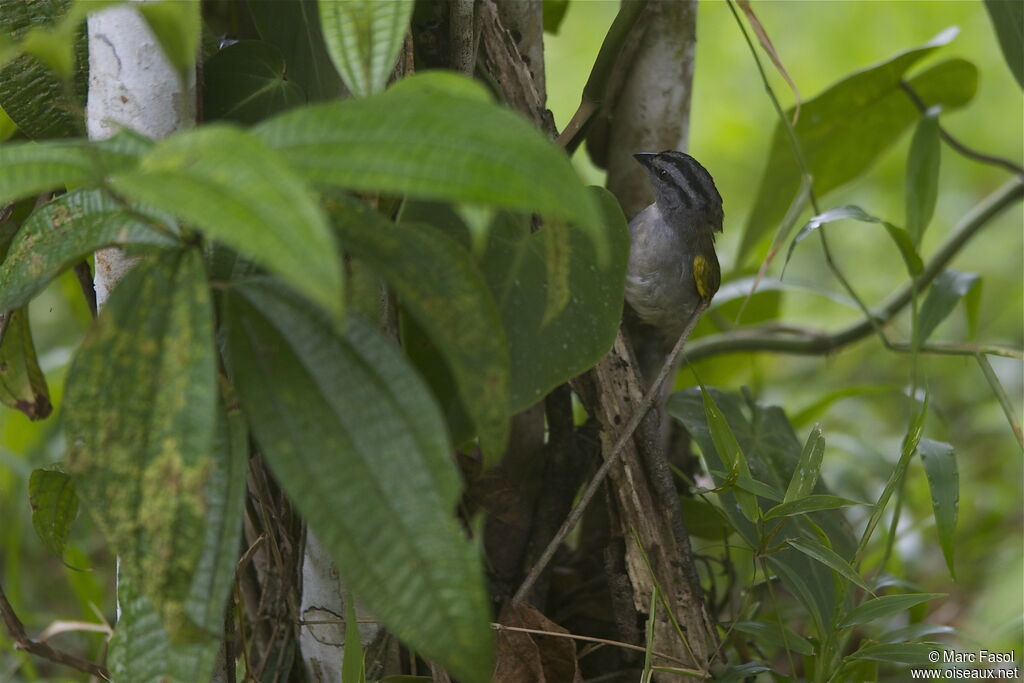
<point x="662" y="173"/>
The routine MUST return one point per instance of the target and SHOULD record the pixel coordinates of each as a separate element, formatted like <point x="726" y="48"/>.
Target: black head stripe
<point x="690" y="177"/>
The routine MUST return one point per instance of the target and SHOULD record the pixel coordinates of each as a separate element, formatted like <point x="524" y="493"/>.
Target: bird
<point x="673" y="267"/>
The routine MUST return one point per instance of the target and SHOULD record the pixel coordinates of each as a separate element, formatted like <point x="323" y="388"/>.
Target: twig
<point x="590" y="639"/>
<point x="818" y="343"/>
<point x="956" y="144"/>
<point x="645" y="405"/>
<point x="17" y="634"/>
<point x="597" y="84"/>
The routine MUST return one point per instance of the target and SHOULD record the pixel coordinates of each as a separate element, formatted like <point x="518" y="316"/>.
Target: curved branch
<point x="817" y="343"/>
<point x="17" y="634"/>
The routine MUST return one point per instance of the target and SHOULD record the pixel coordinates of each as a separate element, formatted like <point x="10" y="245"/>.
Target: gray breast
<point x="659" y="278"/>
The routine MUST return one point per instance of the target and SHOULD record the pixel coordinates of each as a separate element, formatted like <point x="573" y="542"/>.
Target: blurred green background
<point x="732" y="121"/>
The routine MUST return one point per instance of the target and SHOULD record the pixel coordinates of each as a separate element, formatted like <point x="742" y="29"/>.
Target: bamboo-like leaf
<point x="812" y="503"/>
<point x="64" y="231"/>
<point x="352" y="434"/>
<point x="899" y="236"/>
<point x="428" y="142"/>
<point x="907" y="450"/>
<point x="829" y="558"/>
<point x="805" y="476"/>
<point x="896" y="653"/>
<point x="944" y="483"/>
<point x="944" y="294"/>
<point x="729" y="451"/>
<point x="22" y="382"/>
<point x="140" y="404"/>
<point x="441" y="287"/>
<point x="777" y="634"/>
<point x="229" y="184"/>
<point x="363" y="38"/>
<point x="885" y="606"/>
<point x="51" y="493"/>
<point x="922" y="183"/>
<point x="845" y="129"/>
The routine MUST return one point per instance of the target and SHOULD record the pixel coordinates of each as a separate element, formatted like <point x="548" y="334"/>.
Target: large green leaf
<point x="227" y="183"/>
<point x="140" y="404"/>
<point x="944" y="483"/>
<point x="29" y="168"/>
<point x="363" y="38"/>
<point x="30" y="92"/>
<point x="546" y="351"/>
<point x="846" y="128"/>
<point x="829" y="558"/>
<point x="22" y="382"/>
<point x="141" y="649"/>
<point x="896" y="653"/>
<point x="51" y="493"/>
<point x="730" y="453"/>
<point x="1008" y="20"/>
<point x="293" y="27"/>
<point x="359" y="445"/>
<point x="441" y="287"/>
<point x="246" y="82"/>
<point x="775" y="633"/>
<point x="433" y="143"/>
<point x="66" y="230"/>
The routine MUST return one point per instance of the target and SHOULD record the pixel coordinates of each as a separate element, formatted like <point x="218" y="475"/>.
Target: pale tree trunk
<point x="132" y="85"/>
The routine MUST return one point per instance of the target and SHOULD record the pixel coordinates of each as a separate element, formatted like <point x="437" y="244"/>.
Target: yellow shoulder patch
<point x="704" y="276"/>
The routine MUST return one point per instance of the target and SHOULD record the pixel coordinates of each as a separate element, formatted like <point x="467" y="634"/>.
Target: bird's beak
<point x="645" y="158"/>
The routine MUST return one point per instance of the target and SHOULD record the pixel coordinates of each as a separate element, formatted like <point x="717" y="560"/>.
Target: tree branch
<point x="17" y="634"/>
<point x="818" y="343"/>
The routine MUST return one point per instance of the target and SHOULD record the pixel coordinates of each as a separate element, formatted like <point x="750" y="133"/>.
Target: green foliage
<point x="353" y="435"/>
<point x="1008" y="21"/>
<point x="922" y="184"/>
<point x="66" y="230"/>
<point x="944" y="482"/>
<point x="363" y="38"/>
<point x="398" y="142"/>
<point x="141" y="419"/>
<point x="177" y="25"/>
<point x="294" y="29"/>
<point x="51" y="493"/>
<point x="40" y="89"/>
<point x="443" y="290"/>
<point x="947" y="290"/>
<point x="246" y="83"/>
<point x="22" y="383"/>
<point x="846" y="128"/>
<point x="227" y="183"/>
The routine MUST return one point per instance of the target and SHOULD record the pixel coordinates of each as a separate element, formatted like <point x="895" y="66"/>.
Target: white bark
<point x="132" y="85"/>
<point x="322" y="610"/>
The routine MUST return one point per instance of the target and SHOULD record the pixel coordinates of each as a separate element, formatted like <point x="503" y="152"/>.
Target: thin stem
<point x="960" y="147"/>
<point x="595" y="90"/>
<point x="17" y="634"/>
<point x="652" y="395"/>
<point x="822" y="342"/>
